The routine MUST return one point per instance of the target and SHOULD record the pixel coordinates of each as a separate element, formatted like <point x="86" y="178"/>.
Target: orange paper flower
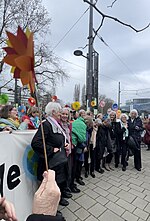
<point x="20" y="55"/>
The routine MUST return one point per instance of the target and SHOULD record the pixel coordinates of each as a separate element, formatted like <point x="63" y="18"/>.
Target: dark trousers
<point x="69" y="169"/>
<point x="137" y="158"/>
<point x="124" y="151"/>
<point x="109" y="158"/>
<point x="98" y="162"/>
<point x="62" y="186"/>
<point x="86" y="157"/>
<point x="78" y="169"/>
<point x="73" y="167"/>
<point x="117" y="156"/>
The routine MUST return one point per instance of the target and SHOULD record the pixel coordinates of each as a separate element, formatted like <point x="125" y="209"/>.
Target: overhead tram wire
<point x="97" y="35"/>
<point x="70" y="29"/>
<point x="117" y="56"/>
<point x="81" y="67"/>
<point x="67" y="61"/>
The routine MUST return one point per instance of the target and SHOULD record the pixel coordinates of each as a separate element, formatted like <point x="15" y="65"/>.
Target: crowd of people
<point x="80" y="143"/>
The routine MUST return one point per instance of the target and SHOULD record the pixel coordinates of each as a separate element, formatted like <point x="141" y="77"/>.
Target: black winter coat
<point x="116" y="134"/>
<point x="38" y="217"/>
<point x="52" y="140"/>
<point x="135" y="128"/>
<point x="102" y="141"/>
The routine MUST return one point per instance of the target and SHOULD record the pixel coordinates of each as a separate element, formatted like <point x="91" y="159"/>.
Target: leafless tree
<point x="31" y="14"/>
<point x="83" y="96"/>
<point x="77" y="92"/>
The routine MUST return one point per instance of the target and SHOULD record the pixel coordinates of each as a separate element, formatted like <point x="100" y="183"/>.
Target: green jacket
<point x="78" y="131"/>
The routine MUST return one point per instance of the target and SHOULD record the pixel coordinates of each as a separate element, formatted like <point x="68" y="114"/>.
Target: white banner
<point x="18" y="170"/>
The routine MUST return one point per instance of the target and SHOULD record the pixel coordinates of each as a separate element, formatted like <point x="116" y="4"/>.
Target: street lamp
<point x="91" y="78"/>
<point x="79" y="53"/>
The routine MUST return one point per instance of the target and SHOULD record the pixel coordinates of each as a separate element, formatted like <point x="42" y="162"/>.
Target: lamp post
<point x="90" y="72"/>
<point x="91" y="78"/>
<point x="80" y="53"/>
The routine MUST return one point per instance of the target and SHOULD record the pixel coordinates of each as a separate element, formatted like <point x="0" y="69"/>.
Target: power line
<point x="69" y="62"/>
<point x="117" y="56"/>
<point x="108" y="77"/>
<point x="70" y="29"/>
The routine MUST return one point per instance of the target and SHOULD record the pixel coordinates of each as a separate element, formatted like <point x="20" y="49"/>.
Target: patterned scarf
<point x="14" y="122"/>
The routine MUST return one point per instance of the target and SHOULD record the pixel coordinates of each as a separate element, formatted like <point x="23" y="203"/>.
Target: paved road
<point x="114" y="196"/>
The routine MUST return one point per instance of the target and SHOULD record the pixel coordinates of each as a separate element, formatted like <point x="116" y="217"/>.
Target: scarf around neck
<point x="14" y="122"/>
<point x="56" y="127"/>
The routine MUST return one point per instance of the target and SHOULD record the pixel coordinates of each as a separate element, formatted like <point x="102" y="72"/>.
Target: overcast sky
<point x="132" y="68"/>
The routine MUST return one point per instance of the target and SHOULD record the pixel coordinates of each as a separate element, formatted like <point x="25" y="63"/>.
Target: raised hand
<point x="47" y="197"/>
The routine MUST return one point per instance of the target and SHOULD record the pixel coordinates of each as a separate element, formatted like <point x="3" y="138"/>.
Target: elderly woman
<point x="55" y="139"/>
<point x="115" y="134"/>
<point x="103" y="149"/>
<point x="124" y="138"/>
<point x="67" y="127"/>
<point x="9" y="118"/>
<point x="79" y="144"/>
<point x="91" y="141"/>
<point x="135" y="129"/>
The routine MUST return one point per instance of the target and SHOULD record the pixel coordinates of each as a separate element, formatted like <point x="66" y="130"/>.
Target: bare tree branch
<point x="114" y="19"/>
<point x="48" y="71"/>
<point x="1" y="66"/>
<point x="6" y="83"/>
<point x="16" y="12"/>
<point x="110" y="6"/>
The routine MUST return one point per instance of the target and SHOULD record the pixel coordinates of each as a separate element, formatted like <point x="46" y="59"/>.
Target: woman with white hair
<point x="55" y="140"/>
<point x="123" y="141"/>
<point x="135" y="129"/>
<point x="115" y="134"/>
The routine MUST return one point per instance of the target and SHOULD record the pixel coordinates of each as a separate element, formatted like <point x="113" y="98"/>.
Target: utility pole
<point x="95" y="77"/>
<point x="119" y="95"/>
<point x="89" y="82"/>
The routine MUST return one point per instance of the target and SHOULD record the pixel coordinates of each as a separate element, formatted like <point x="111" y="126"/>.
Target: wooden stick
<point x="42" y="129"/>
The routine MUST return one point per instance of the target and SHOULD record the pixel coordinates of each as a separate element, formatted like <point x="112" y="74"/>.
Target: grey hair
<point x="124" y="115"/>
<point x="52" y="106"/>
<point x="80" y="111"/>
<point x="65" y="108"/>
<point x="112" y="112"/>
<point x="135" y="111"/>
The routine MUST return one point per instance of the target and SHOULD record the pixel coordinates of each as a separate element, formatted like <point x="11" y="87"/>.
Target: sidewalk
<point x="113" y="196"/>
